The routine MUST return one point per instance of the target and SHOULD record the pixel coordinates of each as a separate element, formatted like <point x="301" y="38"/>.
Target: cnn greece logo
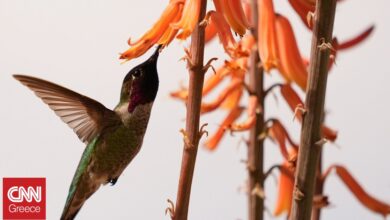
<point x="24" y="198"/>
<point x="23" y="194"/>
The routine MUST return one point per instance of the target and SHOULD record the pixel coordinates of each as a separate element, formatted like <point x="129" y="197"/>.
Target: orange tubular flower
<point x="248" y="42"/>
<point x="250" y="121"/>
<point x="154" y="34"/>
<point x="181" y="94"/>
<point x="211" y="31"/>
<point x="285" y="191"/>
<point x="210" y="84"/>
<point x="348" y="44"/>
<point x="295" y="102"/>
<point x="170" y="34"/>
<point x="279" y="134"/>
<point x="308" y="2"/>
<point x="268" y="48"/>
<point x="208" y="107"/>
<point x="189" y="19"/>
<point x="246" y="5"/>
<point x="223" y="30"/>
<point x="290" y="65"/>
<point x="356" y="40"/>
<point x="368" y="201"/>
<point x="329" y="133"/>
<point x="234" y="14"/>
<point x="233" y="99"/>
<point x="285" y="188"/>
<point x="302" y="10"/>
<point x="238" y="69"/>
<point x="292" y="100"/>
<point x="240" y="21"/>
<point x="213" y="141"/>
<point x="215" y="79"/>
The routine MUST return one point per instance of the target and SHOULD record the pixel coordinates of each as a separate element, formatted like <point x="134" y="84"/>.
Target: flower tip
<point x="211" y="146"/>
<point x="123" y="57"/>
<point x="183" y="35"/>
<point x="357" y="39"/>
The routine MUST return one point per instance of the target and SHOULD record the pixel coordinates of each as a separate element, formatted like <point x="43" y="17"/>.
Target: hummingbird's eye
<point x="137" y="73"/>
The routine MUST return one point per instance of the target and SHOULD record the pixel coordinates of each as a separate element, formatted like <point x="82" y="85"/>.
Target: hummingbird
<point x="112" y="137"/>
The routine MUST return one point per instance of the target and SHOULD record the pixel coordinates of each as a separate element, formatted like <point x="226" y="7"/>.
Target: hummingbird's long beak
<point x="154" y="57"/>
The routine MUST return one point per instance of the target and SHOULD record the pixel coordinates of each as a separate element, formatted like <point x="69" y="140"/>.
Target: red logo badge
<point x="24" y="198"/>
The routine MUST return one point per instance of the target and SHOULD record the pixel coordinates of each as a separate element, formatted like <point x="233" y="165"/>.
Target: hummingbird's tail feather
<point x="83" y="185"/>
<point x="76" y="199"/>
<point x="69" y="216"/>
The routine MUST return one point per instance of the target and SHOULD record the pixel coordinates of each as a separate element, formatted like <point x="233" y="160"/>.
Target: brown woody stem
<point x="255" y="148"/>
<point x="196" y="74"/>
<point x="319" y="188"/>
<point x="309" y="151"/>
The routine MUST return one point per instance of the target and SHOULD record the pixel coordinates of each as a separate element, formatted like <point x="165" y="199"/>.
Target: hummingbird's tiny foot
<point x="209" y="65"/>
<point x="170" y="209"/>
<point x="113" y="181"/>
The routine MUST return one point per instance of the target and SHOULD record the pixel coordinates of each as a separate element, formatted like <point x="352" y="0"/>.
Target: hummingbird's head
<point x="141" y="83"/>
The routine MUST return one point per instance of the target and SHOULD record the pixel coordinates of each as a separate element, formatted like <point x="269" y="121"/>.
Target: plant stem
<point x="319" y="185"/>
<point x="196" y="79"/>
<point x="319" y="188"/>
<point x="255" y="147"/>
<point x="309" y="151"/>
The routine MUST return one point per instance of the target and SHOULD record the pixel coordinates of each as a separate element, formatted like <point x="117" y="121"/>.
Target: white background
<point x="76" y="44"/>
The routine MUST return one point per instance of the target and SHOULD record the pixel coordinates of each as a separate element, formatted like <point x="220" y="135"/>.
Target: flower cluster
<point x="278" y="50"/>
<point x="179" y="20"/>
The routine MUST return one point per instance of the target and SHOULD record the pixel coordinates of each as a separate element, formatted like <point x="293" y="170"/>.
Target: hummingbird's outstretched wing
<point x="84" y="115"/>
